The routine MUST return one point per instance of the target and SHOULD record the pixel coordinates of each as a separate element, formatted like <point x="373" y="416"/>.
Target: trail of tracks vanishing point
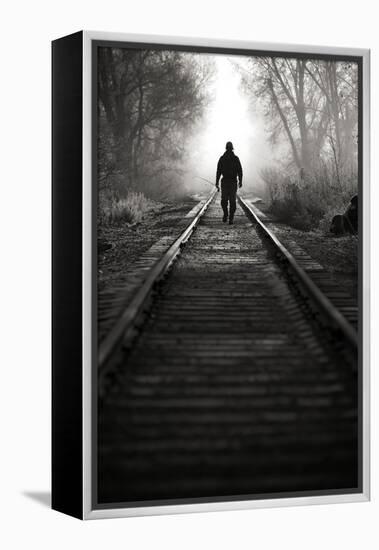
<point x="228" y="372"/>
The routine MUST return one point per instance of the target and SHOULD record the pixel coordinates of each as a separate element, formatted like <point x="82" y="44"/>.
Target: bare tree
<point x="338" y="83"/>
<point x="148" y="101"/>
<point x="313" y="102"/>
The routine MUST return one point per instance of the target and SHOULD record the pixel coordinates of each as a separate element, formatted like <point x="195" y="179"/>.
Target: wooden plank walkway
<point x="228" y="390"/>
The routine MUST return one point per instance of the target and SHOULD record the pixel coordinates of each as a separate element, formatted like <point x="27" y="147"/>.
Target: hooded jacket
<point x="229" y="167"/>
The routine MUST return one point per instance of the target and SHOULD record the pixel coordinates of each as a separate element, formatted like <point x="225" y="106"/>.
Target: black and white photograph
<point x="227" y="274"/>
<point x="189" y="258"/>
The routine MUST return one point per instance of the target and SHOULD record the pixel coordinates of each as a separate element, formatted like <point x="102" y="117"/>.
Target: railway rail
<point x="227" y="370"/>
<point x="134" y="308"/>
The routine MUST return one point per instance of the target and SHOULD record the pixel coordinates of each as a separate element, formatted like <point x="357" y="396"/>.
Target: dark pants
<point x="228" y="195"/>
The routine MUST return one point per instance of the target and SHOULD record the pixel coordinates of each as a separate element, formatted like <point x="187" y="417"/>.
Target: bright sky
<point x="229" y="118"/>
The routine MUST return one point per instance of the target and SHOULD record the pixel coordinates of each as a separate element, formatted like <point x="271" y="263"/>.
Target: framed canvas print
<point x="210" y="275"/>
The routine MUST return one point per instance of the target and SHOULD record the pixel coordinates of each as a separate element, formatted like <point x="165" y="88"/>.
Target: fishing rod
<point x="204" y="179"/>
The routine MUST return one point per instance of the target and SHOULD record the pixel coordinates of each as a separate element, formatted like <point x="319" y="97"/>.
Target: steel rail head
<point x="318" y="297"/>
<point x="131" y="312"/>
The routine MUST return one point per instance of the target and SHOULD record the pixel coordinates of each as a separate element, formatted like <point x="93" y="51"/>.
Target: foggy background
<point x="230" y="116"/>
<point x="164" y="118"/>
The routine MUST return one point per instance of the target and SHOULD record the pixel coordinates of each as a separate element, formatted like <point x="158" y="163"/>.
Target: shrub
<point x="113" y="210"/>
<point x="311" y="202"/>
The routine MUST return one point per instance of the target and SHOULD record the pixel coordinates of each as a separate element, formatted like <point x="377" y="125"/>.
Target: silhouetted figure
<point x="352" y="213"/>
<point x="347" y="222"/>
<point x="229" y="167"/>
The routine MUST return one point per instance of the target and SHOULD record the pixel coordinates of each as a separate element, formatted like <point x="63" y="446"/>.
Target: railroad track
<point x="228" y="372"/>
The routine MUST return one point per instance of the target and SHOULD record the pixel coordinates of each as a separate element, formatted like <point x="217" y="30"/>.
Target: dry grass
<point x="312" y="202"/>
<point x="130" y="209"/>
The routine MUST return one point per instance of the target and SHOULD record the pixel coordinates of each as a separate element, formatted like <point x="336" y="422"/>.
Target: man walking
<point x="229" y="167"/>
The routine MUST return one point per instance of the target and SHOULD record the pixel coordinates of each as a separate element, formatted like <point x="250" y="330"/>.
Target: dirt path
<point x="128" y="242"/>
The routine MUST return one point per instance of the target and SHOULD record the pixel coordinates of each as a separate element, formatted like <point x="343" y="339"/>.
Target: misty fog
<point x="164" y="118"/>
<point x="229" y="116"/>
